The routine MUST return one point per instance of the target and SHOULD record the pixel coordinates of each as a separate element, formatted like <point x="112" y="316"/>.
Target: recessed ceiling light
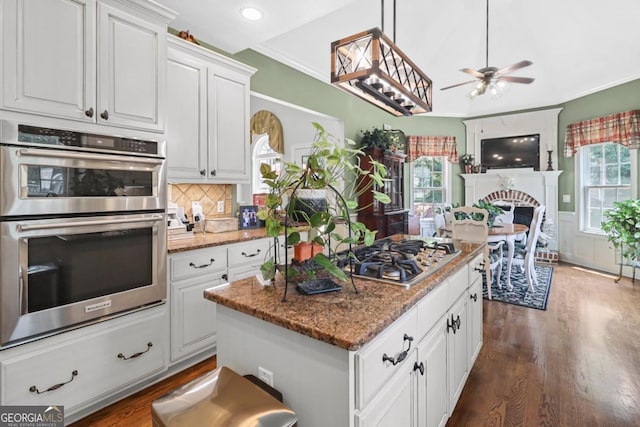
<point x="251" y="13"/>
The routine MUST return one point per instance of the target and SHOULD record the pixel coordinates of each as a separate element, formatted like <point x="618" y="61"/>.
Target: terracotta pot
<point x="306" y="250"/>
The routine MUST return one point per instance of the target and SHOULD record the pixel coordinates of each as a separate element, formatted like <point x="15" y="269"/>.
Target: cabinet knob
<point x="89" y="112"/>
<point x="213" y="172"/>
<point x="105" y="115"/>
<point x="203" y="172"/>
<point x="224" y="277"/>
<point x="419" y="367"/>
<point x="474" y="297"/>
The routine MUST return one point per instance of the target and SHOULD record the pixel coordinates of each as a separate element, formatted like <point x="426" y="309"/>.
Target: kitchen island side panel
<point x="314" y="374"/>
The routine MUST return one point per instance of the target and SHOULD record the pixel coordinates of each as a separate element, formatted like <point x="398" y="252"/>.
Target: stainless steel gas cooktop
<point x="404" y="262"/>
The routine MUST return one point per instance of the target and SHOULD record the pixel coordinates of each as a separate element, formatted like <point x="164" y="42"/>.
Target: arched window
<point x="263" y="153"/>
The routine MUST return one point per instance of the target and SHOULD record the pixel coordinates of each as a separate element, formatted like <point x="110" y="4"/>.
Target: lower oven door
<point x="60" y="273"/>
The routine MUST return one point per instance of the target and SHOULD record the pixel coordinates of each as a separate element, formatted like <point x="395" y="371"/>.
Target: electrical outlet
<point x="566" y="198"/>
<point x="386" y="126"/>
<point x="265" y="375"/>
<point x="220" y="206"/>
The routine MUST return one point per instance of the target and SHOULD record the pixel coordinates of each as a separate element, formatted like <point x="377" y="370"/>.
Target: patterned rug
<point x="520" y="294"/>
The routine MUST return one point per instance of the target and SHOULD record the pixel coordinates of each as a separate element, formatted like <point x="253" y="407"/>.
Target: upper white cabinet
<point x="207" y="116"/>
<point x="99" y="61"/>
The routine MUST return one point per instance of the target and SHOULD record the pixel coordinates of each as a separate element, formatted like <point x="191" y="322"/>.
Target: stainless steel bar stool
<point x="221" y="398"/>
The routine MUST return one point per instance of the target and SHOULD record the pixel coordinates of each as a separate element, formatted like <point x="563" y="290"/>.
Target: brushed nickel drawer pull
<point x="211" y="261"/>
<point x="138" y="354"/>
<point x="34" y="389"/>
<point x="244" y="254"/>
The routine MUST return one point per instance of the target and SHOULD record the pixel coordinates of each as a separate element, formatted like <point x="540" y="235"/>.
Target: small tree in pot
<point x="622" y="225"/>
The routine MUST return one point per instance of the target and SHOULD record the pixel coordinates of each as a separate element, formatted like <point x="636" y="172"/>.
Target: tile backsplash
<point x="207" y="194"/>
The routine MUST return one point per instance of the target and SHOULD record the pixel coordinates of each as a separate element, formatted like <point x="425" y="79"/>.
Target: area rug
<point x="520" y="294"/>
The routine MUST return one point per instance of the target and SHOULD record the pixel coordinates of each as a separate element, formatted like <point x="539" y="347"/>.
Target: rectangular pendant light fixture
<point x="371" y="66"/>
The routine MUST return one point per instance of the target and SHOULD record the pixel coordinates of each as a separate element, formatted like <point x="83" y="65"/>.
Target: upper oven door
<point x="40" y="181"/>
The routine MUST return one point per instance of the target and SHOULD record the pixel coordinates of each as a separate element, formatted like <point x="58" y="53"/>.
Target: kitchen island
<point x="356" y="359"/>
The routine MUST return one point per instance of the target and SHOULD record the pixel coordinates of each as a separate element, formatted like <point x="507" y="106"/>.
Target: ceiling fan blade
<point x="459" y="84"/>
<point x="514" y="79"/>
<point x="472" y="72"/>
<point x="513" y="67"/>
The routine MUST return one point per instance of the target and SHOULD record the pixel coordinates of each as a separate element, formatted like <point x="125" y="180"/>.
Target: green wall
<point x="614" y="100"/>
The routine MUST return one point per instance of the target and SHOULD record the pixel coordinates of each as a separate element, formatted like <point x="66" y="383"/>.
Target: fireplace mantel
<point x="541" y="186"/>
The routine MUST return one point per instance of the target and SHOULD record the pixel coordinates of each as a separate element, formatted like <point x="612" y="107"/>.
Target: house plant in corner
<point x="622" y="225"/>
<point x="331" y="167"/>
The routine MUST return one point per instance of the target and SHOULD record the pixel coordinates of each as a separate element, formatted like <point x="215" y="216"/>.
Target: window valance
<point x="621" y="128"/>
<point x="432" y="146"/>
<point x="266" y="122"/>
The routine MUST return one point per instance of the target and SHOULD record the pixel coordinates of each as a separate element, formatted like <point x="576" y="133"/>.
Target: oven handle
<point x="31" y="227"/>
<point x="23" y="291"/>
<point x="87" y="156"/>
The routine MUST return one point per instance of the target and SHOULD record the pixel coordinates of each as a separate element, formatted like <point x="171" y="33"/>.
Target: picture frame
<point x="248" y="217"/>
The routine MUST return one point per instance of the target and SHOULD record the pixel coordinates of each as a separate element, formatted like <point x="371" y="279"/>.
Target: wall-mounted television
<point x="521" y="151"/>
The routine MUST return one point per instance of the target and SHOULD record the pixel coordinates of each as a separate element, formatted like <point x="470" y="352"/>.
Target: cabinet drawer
<point x="432" y="307"/>
<point x="94" y="360"/>
<point x="458" y="283"/>
<point x="371" y="371"/>
<point x="198" y="262"/>
<point x="250" y="253"/>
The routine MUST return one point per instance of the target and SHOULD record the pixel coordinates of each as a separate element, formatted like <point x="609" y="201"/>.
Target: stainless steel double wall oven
<point x="82" y="229"/>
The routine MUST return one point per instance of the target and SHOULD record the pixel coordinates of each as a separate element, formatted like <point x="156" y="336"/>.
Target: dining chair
<point x="508" y="209"/>
<point x="524" y="256"/>
<point x="470" y="224"/>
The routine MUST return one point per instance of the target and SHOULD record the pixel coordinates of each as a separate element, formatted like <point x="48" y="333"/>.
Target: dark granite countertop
<point x="345" y="318"/>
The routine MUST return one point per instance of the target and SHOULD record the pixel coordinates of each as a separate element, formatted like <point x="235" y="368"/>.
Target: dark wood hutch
<point x="391" y="218"/>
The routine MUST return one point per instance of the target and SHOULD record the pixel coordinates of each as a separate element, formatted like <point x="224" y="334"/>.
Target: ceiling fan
<point x="492" y="78"/>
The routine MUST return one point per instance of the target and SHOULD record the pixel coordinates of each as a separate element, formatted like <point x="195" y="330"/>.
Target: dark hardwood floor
<point x="575" y="364"/>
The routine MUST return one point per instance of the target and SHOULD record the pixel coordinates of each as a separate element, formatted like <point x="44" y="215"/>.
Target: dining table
<point x="508" y="233"/>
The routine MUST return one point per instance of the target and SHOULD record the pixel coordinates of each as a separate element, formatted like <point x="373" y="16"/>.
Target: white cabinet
<point x="458" y="363"/>
<point x="395" y="405"/>
<point x="433" y="401"/>
<point x="97" y="61"/>
<point x="77" y="368"/>
<point x="474" y="321"/>
<point x="193" y="318"/>
<point x="207" y="116"/>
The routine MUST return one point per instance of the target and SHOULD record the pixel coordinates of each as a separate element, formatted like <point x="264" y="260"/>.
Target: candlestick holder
<point x="549" y="164"/>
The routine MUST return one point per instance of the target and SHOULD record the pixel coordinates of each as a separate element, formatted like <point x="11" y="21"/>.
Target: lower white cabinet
<point x="433" y="402"/>
<point x="395" y="405"/>
<point x="458" y="362"/>
<point x="77" y="368"/>
<point x="475" y="320"/>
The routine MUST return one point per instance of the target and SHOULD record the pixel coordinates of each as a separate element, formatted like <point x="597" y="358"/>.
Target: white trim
<point x="294" y="106"/>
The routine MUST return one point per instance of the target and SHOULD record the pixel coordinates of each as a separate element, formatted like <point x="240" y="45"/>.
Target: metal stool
<point x="221" y="398"/>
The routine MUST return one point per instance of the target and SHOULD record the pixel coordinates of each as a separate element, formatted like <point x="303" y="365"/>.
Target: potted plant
<point x="491" y="209"/>
<point x="466" y="161"/>
<point x="331" y="167"/>
<point x="622" y="225"/>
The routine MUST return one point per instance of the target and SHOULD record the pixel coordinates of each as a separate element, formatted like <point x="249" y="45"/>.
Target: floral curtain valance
<point x="621" y="128"/>
<point x="266" y="122"/>
<point x="432" y="146"/>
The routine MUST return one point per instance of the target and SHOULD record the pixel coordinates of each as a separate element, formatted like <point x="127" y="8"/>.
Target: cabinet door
<point x="474" y="320"/>
<point x="395" y="405"/>
<point x="193" y="318"/>
<point x="131" y="72"/>
<point x="228" y="101"/>
<point x="457" y="349"/>
<point x="49" y="57"/>
<point x="433" y="401"/>
<point x="186" y="117"/>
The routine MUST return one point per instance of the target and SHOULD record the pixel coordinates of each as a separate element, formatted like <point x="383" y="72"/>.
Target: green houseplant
<point x="622" y="225"/>
<point x="330" y="166"/>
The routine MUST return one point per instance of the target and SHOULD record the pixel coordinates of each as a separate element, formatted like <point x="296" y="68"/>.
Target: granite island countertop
<point x="346" y="319"/>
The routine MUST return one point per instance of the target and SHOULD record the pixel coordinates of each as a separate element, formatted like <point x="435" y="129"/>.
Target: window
<point x="263" y="153"/>
<point x="429" y="182"/>
<point x="607" y="176"/>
